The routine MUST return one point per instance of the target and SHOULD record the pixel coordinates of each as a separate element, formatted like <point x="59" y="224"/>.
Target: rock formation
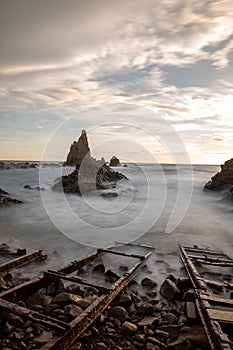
<point x="90" y="174"/>
<point x="6" y="200"/>
<point x="114" y="161"/>
<point x="78" y="151"/>
<point x="223" y="180"/>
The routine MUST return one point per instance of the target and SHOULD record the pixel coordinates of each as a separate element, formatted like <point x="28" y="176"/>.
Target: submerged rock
<point x="6" y="200"/>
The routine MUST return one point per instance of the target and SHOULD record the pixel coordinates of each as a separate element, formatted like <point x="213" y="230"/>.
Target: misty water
<point x="160" y="205"/>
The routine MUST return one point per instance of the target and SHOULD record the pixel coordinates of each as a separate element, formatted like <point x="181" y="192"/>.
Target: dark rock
<point x="99" y="268"/>
<point x="28" y="187"/>
<point x="170" y="318"/>
<point x="128" y="328"/>
<point x="149" y="321"/>
<point x="149" y="283"/>
<point x="223" y="180"/>
<point x="190" y="295"/>
<point x="44" y="337"/>
<point x="184" y="283"/>
<point x="21" y="251"/>
<point x="34" y="299"/>
<point x="119" y="312"/>
<point x="90" y="174"/>
<point x="73" y="310"/>
<point x="6" y="200"/>
<point x="144" y="309"/>
<point x="111" y="276"/>
<point x="114" y="161"/>
<point x="78" y="151"/>
<point x="101" y="346"/>
<point x="169" y="290"/>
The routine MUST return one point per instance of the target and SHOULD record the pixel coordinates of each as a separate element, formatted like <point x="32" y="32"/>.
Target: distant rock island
<point x="90" y="174"/>
<point x="114" y="161"/>
<point x="223" y="180"/>
<point x="18" y="165"/>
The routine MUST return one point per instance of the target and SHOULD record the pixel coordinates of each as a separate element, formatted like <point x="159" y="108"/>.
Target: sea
<point x="161" y="205"/>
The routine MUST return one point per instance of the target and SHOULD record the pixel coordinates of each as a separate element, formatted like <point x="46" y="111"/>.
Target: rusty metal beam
<point x="79" y="324"/>
<point x="19" y="262"/>
<point x="34" y="316"/>
<point x="109" y="251"/>
<point x="213" y="310"/>
<point x="78" y="264"/>
<point x="75" y="279"/>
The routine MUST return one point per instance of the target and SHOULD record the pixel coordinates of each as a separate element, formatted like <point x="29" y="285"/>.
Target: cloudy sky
<point x="146" y="78"/>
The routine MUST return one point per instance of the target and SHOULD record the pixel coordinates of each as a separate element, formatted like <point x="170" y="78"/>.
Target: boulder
<point x="223" y="180"/>
<point x="148" y="283"/>
<point x="169" y="290"/>
<point x="114" y="161"/>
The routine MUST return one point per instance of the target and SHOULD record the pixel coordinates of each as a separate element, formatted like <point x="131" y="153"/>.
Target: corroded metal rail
<point x="67" y="333"/>
<point x="19" y="262"/>
<point x="216" y="311"/>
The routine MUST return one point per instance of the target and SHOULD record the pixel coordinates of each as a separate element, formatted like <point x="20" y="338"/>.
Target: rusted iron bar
<point x="51" y="273"/>
<point x="201" y="250"/>
<point x="135" y="256"/>
<point x="136" y="245"/>
<point x="79" y="324"/>
<point x="208" y="258"/>
<point x="214" y="311"/>
<point x="18" y="262"/>
<point x="78" y="264"/>
<point x="34" y="316"/>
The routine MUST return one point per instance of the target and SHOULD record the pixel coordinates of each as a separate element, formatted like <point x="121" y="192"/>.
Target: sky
<point x="150" y="80"/>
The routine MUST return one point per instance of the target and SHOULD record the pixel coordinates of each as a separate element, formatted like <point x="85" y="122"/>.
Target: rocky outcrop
<point x="90" y="174"/>
<point x="20" y="165"/>
<point x="78" y="151"/>
<point x="114" y="161"/>
<point x="223" y="180"/>
<point x="6" y="200"/>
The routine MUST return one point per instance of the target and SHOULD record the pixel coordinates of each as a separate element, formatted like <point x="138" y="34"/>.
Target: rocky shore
<point x="18" y="165"/>
<point x="6" y="200"/>
<point x="144" y="316"/>
<point x="223" y="180"/>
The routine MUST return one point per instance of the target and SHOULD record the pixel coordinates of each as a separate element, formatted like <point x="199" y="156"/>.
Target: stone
<point x="190" y="311"/>
<point x="101" y="346"/>
<point x="190" y="295"/>
<point x="128" y="328"/>
<point x="114" y="161"/>
<point x="148" y="283"/>
<point x="111" y="276"/>
<point x="118" y="312"/>
<point x="144" y="309"/>
<point x="149" y="321"/>
<point x="184" y="283"/>
<point x="34" y="299"/>
<point x="125" y="300"/>
<point x="67" y="298"/>
<point x="170" y="318"/>
<point x="169" y="290"/>
<point x="44" y="337"/>
<point x="73" y="310"/>
<point x="99" y="268"/>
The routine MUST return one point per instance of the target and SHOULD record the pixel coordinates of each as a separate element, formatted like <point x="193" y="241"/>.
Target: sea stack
<point x="89" y="174"/>
<point x="223" y="180"/>
<point x="114" y="161"/>
<point x="78" y="151"/>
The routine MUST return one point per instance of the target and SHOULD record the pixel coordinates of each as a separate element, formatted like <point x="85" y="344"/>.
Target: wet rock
<point x="170" y="318"/>
<point x="123" y="268"/>
<point x="49" y="308"/>
<point x="125" y="300"/>
<point x="34" y="299"/>
<point x="44" y="337"/>
<point x="149" y="321"/>
<point x="118" y="312"/>
<point x="99" y="268"/>
<point x="111" y="276"/>
<point x="184" y="283"/>
<point x="3" y="284"/>
<point x="169" y="290"/>
<point x="101" y="346"/>
<point x="73" y="310"/>
<point x="144" y="309"/>
<point x="190" y="295"/>
<point x="148" y="283"/>
<point x="128" y="328"/>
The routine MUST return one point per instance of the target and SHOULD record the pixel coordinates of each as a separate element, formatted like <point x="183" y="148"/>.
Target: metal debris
<point x="210" y="273"/>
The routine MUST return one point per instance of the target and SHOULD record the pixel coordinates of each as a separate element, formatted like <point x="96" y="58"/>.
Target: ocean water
<point x="160" y="205"/>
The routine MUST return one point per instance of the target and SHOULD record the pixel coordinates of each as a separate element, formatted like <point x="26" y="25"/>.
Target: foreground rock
<point x="6" y="200"/>
<point x="90" y="174"/>
<point x="223" y="180"/>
